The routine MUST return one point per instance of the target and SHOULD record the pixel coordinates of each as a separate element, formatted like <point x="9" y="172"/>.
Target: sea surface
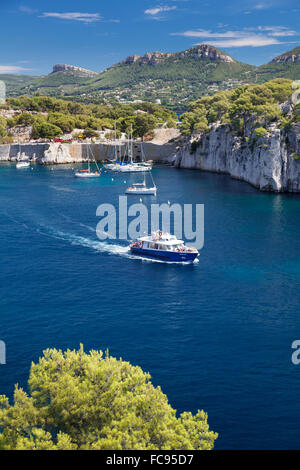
<point x="216" y="335"/>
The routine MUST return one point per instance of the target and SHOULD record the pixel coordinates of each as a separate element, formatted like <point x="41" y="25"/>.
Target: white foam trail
<point x="94" y="244"/>
<point x="67" y="190"/>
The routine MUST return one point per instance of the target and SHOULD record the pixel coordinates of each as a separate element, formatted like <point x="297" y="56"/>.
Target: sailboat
<point x="141" y="188"/>
<point x="88" y="173"/>
<point x="112" y="163"/>
<point x="130" y="166"/>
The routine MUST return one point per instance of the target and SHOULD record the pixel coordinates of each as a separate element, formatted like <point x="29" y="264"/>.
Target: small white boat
<point x="141" y="188"/>
<point x="87" y="174"/>
<point x="23" y="164"/>
<point x="109" y="166"/>
<point x="131" y="168"/>
<point x="22" y="159"/>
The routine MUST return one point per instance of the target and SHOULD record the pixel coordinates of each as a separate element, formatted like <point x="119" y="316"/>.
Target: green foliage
<point x="296" y="156"/>
<point x="195" y="120"/>
<point x="111" y="135"/>
<point x="3" y="131"/>
<point x="143" y="124"/>
<point x="65" y="122"/>
<point x="88" y="132"/>
<point x="43" y="129"/>
<point x="260" y="132"/>
<point x="67" y="115"/>
<point x="258" y="103"/>
<point x="96" y="402"/>
<point x="171" y="123"/>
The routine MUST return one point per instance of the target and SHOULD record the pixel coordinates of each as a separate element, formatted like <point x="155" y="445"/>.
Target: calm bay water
<point x="215" y="335"/>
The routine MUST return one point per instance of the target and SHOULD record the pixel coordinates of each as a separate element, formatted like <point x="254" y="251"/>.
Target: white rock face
<point x="59" y="153"/>
<point x="56" y="153"/>
<point x="268" y="165"/>
<point x="73" y="68"/>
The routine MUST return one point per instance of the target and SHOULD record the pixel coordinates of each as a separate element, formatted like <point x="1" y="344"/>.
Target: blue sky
<point x="96" y="33"/>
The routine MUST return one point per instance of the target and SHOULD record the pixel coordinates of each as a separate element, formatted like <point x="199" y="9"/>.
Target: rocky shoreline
<point x="272" y="163"/>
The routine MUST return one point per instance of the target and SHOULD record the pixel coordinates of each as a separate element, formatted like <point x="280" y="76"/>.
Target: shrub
<point x="96" y="402"/>
<point x="260" y="132"/>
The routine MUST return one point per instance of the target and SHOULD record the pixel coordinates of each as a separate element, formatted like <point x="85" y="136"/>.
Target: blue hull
<point x="173" y="256"/>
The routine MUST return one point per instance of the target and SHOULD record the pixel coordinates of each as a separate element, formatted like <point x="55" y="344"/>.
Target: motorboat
<point x="165" y="247"/>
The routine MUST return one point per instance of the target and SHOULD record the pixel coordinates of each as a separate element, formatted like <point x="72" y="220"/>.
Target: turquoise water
<point x="215" y="335"/>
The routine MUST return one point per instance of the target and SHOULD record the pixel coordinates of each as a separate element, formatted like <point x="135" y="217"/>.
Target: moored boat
<point x="88" y="173"/>
<point x="165" y="247"/>
<point x="141" y="188"/>
<point x="23" y="164"/>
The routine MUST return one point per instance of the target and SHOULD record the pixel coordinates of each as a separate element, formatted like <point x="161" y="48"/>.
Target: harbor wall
<point x="56" y="153"/>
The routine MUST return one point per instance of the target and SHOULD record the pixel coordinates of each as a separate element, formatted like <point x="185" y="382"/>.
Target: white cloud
<point x="204" y="33"/>
<point x="74" y="16"/>
<point x="251" y="37"/>
<point x="11" y="69"/>
<point x="155" y="11"/>
<point x="247" y="41"/>
<point x="278" y="31"/>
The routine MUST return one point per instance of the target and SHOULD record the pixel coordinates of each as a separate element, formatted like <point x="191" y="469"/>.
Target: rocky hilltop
<point x="73" y="69"/>
<point x="291" y="56"/>
<point x="202" y="51"/>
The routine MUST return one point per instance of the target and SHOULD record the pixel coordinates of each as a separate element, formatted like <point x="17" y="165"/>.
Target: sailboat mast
<point x="115" y="129"/>
<point x="131" y="144"/>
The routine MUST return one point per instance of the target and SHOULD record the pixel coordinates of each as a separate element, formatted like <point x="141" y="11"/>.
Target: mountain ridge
<point x="170" y="78"/>
<point x="201" y="52"/>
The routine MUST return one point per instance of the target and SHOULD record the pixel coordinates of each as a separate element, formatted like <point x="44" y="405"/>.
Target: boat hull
<point x="151" y="191"/>
<point x="78" y="175"/>
<point x="173" y="256"/>
<point x="132" y="169"/>
<point x="22" y="165"/>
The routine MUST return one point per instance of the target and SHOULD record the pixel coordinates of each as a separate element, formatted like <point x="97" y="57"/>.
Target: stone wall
<point x="50" y="153"/>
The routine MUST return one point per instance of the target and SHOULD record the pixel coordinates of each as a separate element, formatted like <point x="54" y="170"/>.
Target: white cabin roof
<point x="163" y="239"/>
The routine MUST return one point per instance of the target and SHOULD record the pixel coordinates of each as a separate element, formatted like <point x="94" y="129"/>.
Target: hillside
<point x="172" y="79"/>
<point x="286" y="65"/>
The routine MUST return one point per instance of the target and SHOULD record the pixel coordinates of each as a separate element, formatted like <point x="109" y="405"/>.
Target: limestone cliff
<point x="271" y="163"/>
<point x="202" y="51"/>
<point x="74" y="69"/>
<point x="291" y="56"/>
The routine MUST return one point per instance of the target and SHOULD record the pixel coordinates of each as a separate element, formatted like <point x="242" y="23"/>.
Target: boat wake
<point x="96" y="245"/>
<point x="107" y="247"/>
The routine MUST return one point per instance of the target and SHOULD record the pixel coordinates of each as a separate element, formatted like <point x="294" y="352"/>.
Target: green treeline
<point x="255" y="104"/>
<point x="51" y="117"/>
